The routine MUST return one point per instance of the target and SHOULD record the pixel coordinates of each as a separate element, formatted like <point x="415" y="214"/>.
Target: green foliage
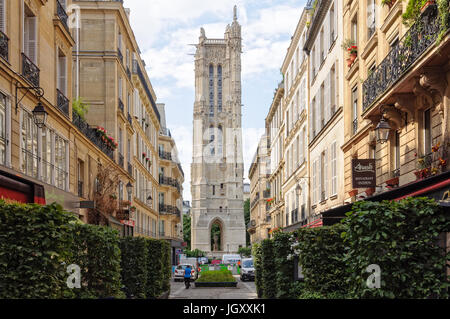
<point x="412" y="12"/>
<point x="96" y="250"/>
<point x="154" y="287"/>
<point x="268" y="269"/>
<point x="402" y="238"/>
<point x="166" y="266"/>
<point x="187" y="230"/>
<point x="284" y="268"/>
<point x="216" y="276"/>
<point x="444" y="13"/>
<point x="256" y="253"/>
<point x="80" y="107"/>
<point x="195" y="253"/>
<point x="34" y="244"/>
<point x="321" y="258"/>
<point x="245" y="251"/>
<point x="134" y="266"/>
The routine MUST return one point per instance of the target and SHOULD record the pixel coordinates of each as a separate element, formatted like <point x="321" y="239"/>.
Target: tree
<point x="247" y="220"/>
<point x="245" y="251"/>
<point x="187" y="230"/>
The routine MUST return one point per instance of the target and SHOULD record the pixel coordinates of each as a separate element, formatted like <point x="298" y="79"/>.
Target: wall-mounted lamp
<point x="383" y="128"/>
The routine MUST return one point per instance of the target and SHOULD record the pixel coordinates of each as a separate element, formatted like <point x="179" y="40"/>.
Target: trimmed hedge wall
<point x="257" y="254"/>
<point x="34" y="243"/>
<point x="37" y="243"/>
<point x="268" y="270"/>
<point x="284" y="268"/>
<point x="402" y="238"/>
<point x="96" y="250"/>
<point x="134" y="266"/>
<point x="322" y="253"/>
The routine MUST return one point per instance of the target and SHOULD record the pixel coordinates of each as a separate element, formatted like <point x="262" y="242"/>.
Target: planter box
<point x="216" y="284"/>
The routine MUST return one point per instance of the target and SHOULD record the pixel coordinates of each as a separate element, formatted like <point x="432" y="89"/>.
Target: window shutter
<point x="314" y="182"/>
<point x="333" y="169"/>
<point x="326" y="98"/>
<point x="32" y="38"/>
<point x="336" y="83"/>
<point x="62" y="71"/>
<point x="326" y="174"/>
<point x="318" y="115"/>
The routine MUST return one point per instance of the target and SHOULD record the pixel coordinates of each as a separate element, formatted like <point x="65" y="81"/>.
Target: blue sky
<point x="165" y="28"/>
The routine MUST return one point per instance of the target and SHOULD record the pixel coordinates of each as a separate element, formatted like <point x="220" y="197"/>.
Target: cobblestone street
<point x="244" y="290"/>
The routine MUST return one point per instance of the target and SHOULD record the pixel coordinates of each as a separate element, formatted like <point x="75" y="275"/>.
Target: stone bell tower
<point x="217" y="169"/>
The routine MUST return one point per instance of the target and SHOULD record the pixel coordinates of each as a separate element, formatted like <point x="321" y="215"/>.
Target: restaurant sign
<point x="363" y="173"/>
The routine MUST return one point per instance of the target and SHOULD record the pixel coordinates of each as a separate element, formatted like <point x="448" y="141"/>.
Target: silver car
<point x="247" y="269"/>
<point x="179" y="272"/>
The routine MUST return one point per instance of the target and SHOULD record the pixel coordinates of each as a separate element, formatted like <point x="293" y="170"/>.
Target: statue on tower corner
<point x="235" y="13"/>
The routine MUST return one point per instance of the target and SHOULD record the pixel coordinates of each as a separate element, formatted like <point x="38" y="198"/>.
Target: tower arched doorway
<point x="216" y="231"/>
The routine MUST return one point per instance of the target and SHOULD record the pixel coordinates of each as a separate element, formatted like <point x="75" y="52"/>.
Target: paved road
<point x="244" y="290"/>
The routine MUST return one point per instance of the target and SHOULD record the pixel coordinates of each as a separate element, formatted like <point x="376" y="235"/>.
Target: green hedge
<point x="96" y="250"/>
<point x="134" y="266"/>
<point x="402" y="238"/>
<point x="155" y="265"/>
<point x="217" y="276"/>
<point x="268" y="269"/>
<point x="322" y="253"/>
<point x="284" y="268"/>
<point x="34" y="244"/>
<point x="256" y="253"/>
<point x="166" y="266"/>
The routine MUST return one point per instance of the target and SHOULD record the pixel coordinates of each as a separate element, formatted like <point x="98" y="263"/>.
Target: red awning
<point x="315" y="223"/>
<point x="426" y="189"/>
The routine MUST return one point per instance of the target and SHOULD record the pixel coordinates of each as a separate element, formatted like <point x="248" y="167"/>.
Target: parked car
<point x="230" y="259"/>
<point x="202" y="260"/>
<point x="247" y="269"/>
<point x="179" y="272"/>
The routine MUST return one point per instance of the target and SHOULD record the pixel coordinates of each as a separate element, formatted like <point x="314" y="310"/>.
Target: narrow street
<point x="244" y="290"/>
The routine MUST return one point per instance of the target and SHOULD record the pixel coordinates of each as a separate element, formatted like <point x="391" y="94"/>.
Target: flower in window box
<point x="436" y="147"/>
<point x="442" y="162"/>
<point x="144" y="155"/>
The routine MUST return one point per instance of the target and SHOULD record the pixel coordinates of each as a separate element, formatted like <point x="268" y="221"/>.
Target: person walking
<point x="187" y="276"/>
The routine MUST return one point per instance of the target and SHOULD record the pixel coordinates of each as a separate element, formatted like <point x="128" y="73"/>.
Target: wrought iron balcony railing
<point x="355" y="126"/>
<point x="169" y="210"/>
<point x="130" y="119"/>
<point x="165" y="132"/>
<point x="130" y="169"/>
<point x="30" y="71"/>
<point x="62" y="102"/>
<point x="255" y="200"/>
<point x="165" y="155"/>
<point x="91" y="134"/>
<point x="128" y="72"/>
<point x="408" y="50"/>
<point x="169" y="181"/>
<point x="4" y="46"/>
<point x="62" y="14"/>
<point x="266" y="193"/>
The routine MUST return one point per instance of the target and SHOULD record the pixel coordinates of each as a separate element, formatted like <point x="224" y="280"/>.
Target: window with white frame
<point x="3" y="16"/>
<point x="62" y="73"/>
<point x="30" y="35"/>
<point x="333" y="163"/>
<point x="61" y="170"/>
<point x="29" y="145"/>
<point x="332" y="25"/>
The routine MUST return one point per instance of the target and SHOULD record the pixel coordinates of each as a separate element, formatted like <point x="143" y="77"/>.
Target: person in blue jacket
<point x="187" y="276"/>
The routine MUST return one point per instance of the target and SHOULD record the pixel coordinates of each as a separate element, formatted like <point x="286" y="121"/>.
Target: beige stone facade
<point x="414" y="99"/>
<point x="260" y="220"/>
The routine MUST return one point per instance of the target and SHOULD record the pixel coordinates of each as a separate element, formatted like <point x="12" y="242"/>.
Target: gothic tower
<point x="217" y="162"/>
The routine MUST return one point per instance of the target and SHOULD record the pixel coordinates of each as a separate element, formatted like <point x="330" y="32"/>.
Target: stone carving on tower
<point x="217" y="168"/>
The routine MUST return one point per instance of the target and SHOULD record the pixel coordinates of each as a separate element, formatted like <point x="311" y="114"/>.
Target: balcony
<point x="165" y="155"/>
<point x="92" y="135"/>
<point x="165" y="132"/>
<point x="61" y="12"/>
<point x="355" y="126"/>
<point x="123" y="214"/>
<point x="30" y="71"/>
<point x="4" y="46"/>
<point x="420" y="37"/>
<point x="130" y="119"/>
<point x="128" y="72"/>
<point x="251" y="226"/>
<point x="169" y="181"/>
<point x="255" y="200"/>
<point x="62" y="102"/>
<point x="120" y="105"/>
<point x="130" y="169"/>
<point x="266" y="193"/>
<point x="169" y="210"/>
<point x="121" y="161"/>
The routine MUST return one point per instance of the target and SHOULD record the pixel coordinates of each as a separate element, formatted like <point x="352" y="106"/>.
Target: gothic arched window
<point x="211" y="89"/>
<point x="219" y="88"/>
<point x="219" y="140"/>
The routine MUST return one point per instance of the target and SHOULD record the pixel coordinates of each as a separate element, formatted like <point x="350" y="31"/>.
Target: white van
<point x="231" y="259"/>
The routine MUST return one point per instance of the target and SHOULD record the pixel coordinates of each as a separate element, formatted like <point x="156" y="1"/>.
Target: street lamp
<point x="129" y="190"/>
<point x="382" y="130"/>
<point x="40" y="115"/>
<point x="298" y="190"/>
